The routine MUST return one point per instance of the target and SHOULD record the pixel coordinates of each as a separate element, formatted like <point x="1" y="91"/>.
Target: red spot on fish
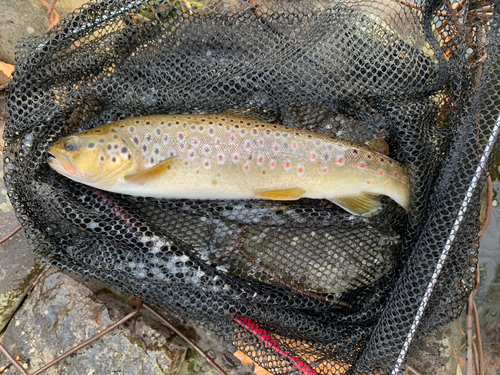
<point x="246" y="167"/>
<point x="235" y="157"/>
<point x="165" y="139"/>
<point x="395" y="175"/>
<point x="260" y="159"/>
<point x="276" y="148"/>
<point x="248" y="144"/>
<point x="361" y="165"/>
<point x="380" y="173"/>
<point x="231" y="139"/>
<point x="404" y="179"/>
<point x="272" y="164"/>
<point x="300" y="170"/>
<point x="294" y="145"/>
<point x="260" y="141"/>
<point x="388" y="182"/>
<point x="195" y="142"/>
<point x="287" y="164"/>
<point x="185" y="163"/>
<point x="221" y="157"/>
<point x="324" y="170"/>
<point x="368" y="182"/>
<point x="340" y="160"/>
<point x="207" y="164"/>
<point x="313" y="156"/>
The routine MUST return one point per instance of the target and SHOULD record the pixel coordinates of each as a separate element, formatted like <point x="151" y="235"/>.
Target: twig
<point x="12" y="233"/>
<point x="52" y="15"/>
<point x="468" y="331"/>
<point x="489" y="206"/>
<point x="181" y="335"/>
<point x="38" y="279"/>
<point x="12" y="360"/>
<point x="413" y="370"/>
<point x="478" y="339"/>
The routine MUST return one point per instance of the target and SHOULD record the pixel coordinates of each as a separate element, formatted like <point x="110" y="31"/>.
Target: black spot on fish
<point x="115" y="137"/>
<point x="115" y="146"/>
<point x="354" y="151"/>
<point x="136" y="140"/>
<point x="181" y="136"/>
<point x="201" y="128"/>
<point x="157" y="151"/>
<point x="236" y="126"/>
<point x="113" y="159"/>
<point x="102" y="158"/>
<point x="277" y="134"/>
<point x="268" y="132"/>
<point x="381" y="159"/>
<point x="211" y="131"/>
<point x="148" y="138"/>
<point x="91" y="145"/>
<point x="152" y="160"/>
<point x="285" y="135"/>
<point x="147" y="123"/>
<point x="131" y="129"/>
<point x="144" y="148"/>
<point x="98" y="131"/>
<point x="124" y="150"/>
<point x="369" y="156"/>
<point x="169" y="125"/>
<point x="202" y="120"/>
<point x="193" y="126"/>
<point x="137" y="121"/>
<point x="158" y="131"/>
<point x="254" y="131"/>
<point x="161" y="123"/>
<point x="129" y="156"/>
<point x="101" y="140"/>
<point x="242" y="131"/>
<point x="109" y="147"/>
<point x="210" y="122"/>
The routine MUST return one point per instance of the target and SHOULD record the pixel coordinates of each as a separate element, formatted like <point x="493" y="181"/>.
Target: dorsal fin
<point x="379" y="145"/>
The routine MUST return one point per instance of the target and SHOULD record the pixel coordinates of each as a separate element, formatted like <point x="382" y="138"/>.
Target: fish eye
<point x="70" y="146"/>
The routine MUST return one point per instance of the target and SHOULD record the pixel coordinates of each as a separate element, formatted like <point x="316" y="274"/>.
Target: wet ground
<point x="488" y="295"/>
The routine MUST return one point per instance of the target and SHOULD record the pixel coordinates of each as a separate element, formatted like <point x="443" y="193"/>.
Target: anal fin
<point x="280" y="194"/>
<point x="150" y="174"/>
<point x="362" y="204"/>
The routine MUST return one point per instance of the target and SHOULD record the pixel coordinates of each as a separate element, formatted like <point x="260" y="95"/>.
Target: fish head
<point x="94" y="157"/>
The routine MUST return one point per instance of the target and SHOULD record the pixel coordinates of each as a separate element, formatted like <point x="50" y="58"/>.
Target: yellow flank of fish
<point x="225" y="157"/>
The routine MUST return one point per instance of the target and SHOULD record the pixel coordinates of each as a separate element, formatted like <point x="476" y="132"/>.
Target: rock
<point x="60" y="313"/>
<point x="438" y="352"/>
<point x="24" y="18"/>
<point x="18" y="268"/>
<point x="20" y="19"/>
<point x="194" y="363"/>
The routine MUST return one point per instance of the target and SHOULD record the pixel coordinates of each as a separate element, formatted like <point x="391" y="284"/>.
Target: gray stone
<point x="210" y="343"/>
<point x="20" y="19"/>
<point x="439" y="352"/>
<point x="60" y="313"/>
<point x="24" y="18"/>
<point x="18" y="267"/>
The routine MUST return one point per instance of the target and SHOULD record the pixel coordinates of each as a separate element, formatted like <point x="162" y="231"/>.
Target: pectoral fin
<point x="363" y="204"/>
<point x="281" y="194"/>
<point x="379" y="145"/>
<point x="150" y="174"/>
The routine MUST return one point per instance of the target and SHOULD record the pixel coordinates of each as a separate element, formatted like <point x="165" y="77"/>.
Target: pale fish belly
<point x="218" y="157"/>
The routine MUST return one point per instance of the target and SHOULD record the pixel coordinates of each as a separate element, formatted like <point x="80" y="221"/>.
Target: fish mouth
<point x="63" y="164"/>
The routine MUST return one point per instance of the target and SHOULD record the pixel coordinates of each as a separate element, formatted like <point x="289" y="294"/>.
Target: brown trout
<point x="225" y="157"/>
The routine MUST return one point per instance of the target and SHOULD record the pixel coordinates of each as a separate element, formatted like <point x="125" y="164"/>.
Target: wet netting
<point x="300" y="286"/>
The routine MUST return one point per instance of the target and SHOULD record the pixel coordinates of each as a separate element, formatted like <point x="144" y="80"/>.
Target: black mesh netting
<point x="303" y="286"/>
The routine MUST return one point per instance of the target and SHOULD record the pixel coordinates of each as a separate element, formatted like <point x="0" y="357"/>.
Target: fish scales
<point x="227" y="157"/>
